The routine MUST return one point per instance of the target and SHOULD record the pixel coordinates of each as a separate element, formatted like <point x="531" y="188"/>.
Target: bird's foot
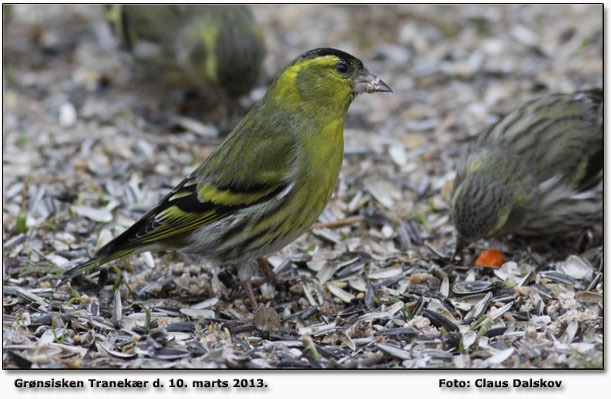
<point x="273" y="278"/>
<point x="582" y="243"/>
<point x="251" y="296"/>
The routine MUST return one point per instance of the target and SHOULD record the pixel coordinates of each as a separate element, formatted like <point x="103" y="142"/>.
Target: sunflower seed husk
<point x="394" y="351"/>
<point x="471" y="287"/>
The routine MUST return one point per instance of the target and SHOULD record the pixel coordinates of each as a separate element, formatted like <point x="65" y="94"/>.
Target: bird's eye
<point x="341" y="67"/>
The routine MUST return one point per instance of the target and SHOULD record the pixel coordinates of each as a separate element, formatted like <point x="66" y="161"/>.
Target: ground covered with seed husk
<point x="88" y="146"/>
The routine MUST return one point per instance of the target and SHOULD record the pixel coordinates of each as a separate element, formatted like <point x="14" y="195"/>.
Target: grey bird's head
<point x="480" y="208"/>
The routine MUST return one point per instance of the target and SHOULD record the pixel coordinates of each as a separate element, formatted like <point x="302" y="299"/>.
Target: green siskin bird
<point x="268" y="181"/>
<point x="194" y="47"/>
<point x="536" y="172"/>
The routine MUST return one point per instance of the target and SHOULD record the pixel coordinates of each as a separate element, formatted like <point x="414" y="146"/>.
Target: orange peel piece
<point x="490" y="258"/>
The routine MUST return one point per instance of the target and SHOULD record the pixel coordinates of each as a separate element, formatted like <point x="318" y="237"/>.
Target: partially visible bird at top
<point x="536" y="172"/>
<point x="7" y="13"/>
<point x="192" y="47"/>
<point x="268" y="181"/>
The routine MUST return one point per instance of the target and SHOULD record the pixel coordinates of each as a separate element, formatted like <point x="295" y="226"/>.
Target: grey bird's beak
<point x="370" y="83"/>
<point x="461" y="243"/>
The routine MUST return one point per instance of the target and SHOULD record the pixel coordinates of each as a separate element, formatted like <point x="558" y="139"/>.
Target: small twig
<point x="24" y="193"/>
<point x="338" y="223"/>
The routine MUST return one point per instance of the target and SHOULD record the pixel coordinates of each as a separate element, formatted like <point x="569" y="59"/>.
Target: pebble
<point x="67" y="115"/>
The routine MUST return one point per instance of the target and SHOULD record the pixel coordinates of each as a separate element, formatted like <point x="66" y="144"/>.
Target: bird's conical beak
<point x="461" y="243"/>
<point x="370" y="83"/>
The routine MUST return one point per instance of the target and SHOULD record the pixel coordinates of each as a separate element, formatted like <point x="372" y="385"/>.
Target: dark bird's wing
<point x="221" y="186"/>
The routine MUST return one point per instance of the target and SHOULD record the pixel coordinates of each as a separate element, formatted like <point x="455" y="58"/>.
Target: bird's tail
<point x="98" y="260"/>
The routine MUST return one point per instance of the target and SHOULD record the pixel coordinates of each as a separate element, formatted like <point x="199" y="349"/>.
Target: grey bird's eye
<point x="341" y="67"/>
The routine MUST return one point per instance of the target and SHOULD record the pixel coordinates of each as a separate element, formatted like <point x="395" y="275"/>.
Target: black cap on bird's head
<point x="323" y="51"/>
<point x="365" y="82"/>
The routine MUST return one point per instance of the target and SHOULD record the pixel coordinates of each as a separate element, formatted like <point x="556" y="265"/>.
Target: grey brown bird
<point x="538" y="171"/>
